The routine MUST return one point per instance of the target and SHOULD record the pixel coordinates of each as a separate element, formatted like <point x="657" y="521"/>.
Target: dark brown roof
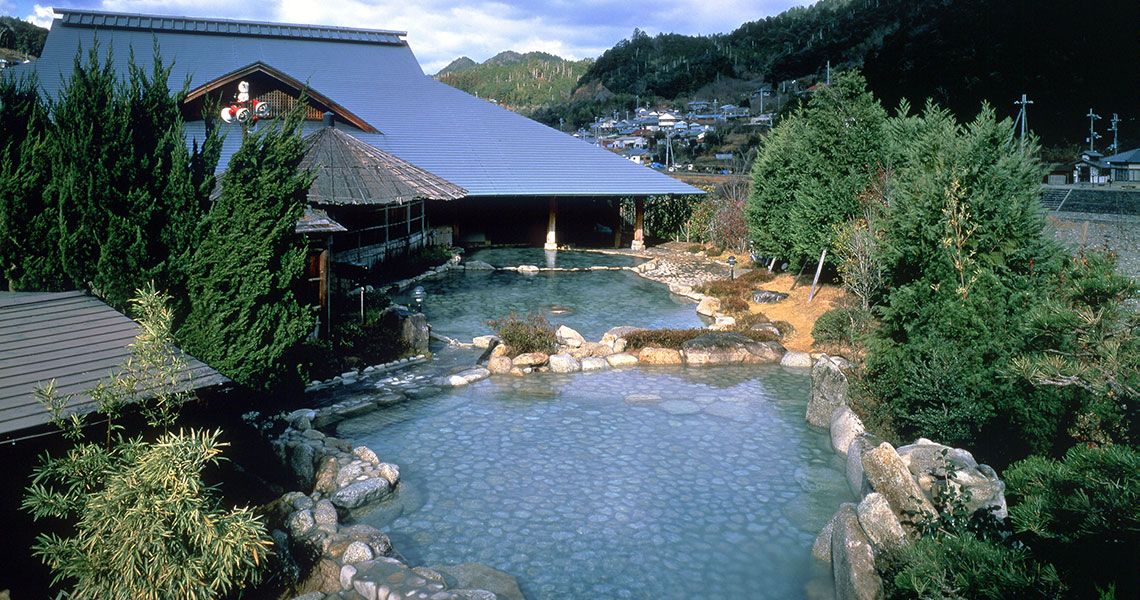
<point x="71" y="338"/>
<point x="350" y="172"/>
<point x="315" y="220"/>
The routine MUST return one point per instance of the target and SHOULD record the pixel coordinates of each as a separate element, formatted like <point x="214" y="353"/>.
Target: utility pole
<point x="1021" y="116"/>
<point x="1113" y="129"/>
<point x="1092" y="133"/>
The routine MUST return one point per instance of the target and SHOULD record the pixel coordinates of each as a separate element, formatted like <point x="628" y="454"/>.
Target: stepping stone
<point x="642" y="399"/>
<point x="680" y="407"/>
<point x="729" y="411"/>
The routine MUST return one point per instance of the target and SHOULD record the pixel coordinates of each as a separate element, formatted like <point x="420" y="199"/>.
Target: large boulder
<point x="564" y="363"/>
<point x="622" y="359"/>
<point x="855" y="477"/>
<point x="767" y="296"/>
<point x="593" y="363"/>
<point x="477" y="576"/>
<point x="880" y="523"/>
<point x="569" y="337"/>
<point x="795" y="358"/>
<point x="853" y="559"/>
<point x="720" y="347"/>
<point x="618" y="333"/>
<point x="499" y="365"/>
<point x="659" y="356"/>
<point x="362" y="492"/>
<point x="829" y="389"/>
<point x="530" y="359"/>
<point x="302" y="462"/>
<point x="412" y="327"/>
<point x="940" y="470"/>
<point x="845" y="425"/>
<point x="708" y="306"/>
<point x="889" y="476"/>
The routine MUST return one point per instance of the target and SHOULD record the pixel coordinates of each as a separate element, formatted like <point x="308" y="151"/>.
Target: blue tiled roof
<point x="472" y="143"/>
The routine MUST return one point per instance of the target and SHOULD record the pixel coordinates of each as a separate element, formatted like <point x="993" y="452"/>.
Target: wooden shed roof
<point x="71" y="338"/>
<point x="350" y="172"/>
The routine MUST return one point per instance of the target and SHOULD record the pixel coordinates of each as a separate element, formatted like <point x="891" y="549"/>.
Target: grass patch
<point x="725" y="288"/>
<point x="522" y="335"/>
<point x="757" y="275"/>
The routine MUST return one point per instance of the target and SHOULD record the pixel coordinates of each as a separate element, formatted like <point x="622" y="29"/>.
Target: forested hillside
<point x="518" y="81"/>
<point x="1066" y="57"/>
<point x="22" y="37"/>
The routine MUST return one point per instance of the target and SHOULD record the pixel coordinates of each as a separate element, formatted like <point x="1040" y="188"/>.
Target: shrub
<point x="748" y="319"/>
<point x="759" y="274"/>
<point x="521" y="335"/>
<point x="1083" y="515"/>
<point x="734" y="305"/>
<point x="785" y="328"/>
<point x="660" y="338"/>
<point x="841" y="324"/>
<point x="695" y="248"/>
<point x="725" y="288"/>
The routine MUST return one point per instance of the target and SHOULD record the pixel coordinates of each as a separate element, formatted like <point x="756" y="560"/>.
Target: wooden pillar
<point x="551" y="237"/>
<point x="638" y="225"/>
<point x="323" y="287"/>
<point x="617" y="224"/>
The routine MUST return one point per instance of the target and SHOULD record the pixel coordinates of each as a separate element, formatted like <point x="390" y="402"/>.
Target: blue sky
<point x="440" y="31"/>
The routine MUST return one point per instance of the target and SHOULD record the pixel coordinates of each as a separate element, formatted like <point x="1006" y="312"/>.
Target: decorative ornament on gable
<point x="244" y="110"/>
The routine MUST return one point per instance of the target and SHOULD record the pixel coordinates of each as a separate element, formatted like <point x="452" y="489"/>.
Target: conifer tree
<point x="245" y="316"/>
<point x="29" y="256"/>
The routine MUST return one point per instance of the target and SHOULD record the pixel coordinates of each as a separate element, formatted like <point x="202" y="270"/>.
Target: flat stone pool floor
<point x="640" y="483"/>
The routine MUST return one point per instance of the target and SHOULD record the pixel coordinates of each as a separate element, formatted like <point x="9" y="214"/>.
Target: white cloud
<point x="440" y="31"/>
<point x="41" y="15"/>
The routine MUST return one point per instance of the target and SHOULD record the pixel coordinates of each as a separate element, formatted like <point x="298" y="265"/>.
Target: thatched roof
<point x="350" y="172"/>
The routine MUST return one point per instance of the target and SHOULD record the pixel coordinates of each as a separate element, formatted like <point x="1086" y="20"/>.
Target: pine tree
<point x="245" y="316"/>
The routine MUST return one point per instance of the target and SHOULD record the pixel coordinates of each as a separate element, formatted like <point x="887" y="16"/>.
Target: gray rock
<point x="719" y="347"/>
<point x="679" y="407"/>
<point x="361" y="493"/>
<point x="622" y="359"/>
<point x="300" y="523"/>
<point x="366" y="454"/>
<point x="844" y="427"/>
<point x="499" y="365"/>
<point x="888" y="475"/>
<point x="880" y="523"/>
<point x="767" y="296"/>
<point x="708" y="306"/>
<point x="797" y="359"/>
<point x="564" y="363"/>
<point x="390" y="473"/>
<point x="375" y="539"/>
<point x="347" y="573"/>
<point x="302" y="464"/>
<point x="311" y="596"/>
<point x="473" y="576"/>
<point x="357" y="552"/>
<point x="569" y="337"/>
<point x="928" y="462"/>
<point x="483" y="341"/>
<point x="324" y="515"/>
<point x="821" y="549"/>
<point x="593" y="363"/>
<point x="768" y="328"/>
<point x="478" y="265"/>
<point x="618" y="333"/>
<point x="855" y="478"/>
<point x="829" y="389"/>
<point x="853" y="559"/>
<point x="413" y="327"/>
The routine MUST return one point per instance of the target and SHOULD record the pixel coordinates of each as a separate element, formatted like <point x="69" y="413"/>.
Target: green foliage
<point x="146" y="526"/>
<point x="22" y="36"/>
<point x="660" y="338"/>
<point x="1082" y="514"/>
<point x="245" y="314"/>
<point x="141" y="521"/>
<point x="29" y="252"/>
<point x="666" y="217"/>
<point x="964" y="566"/>
<point x="518" y="80"/>
<point x="106" y="194"/>
<point x="807" y="177"/>
<point x="522" y="335"/>
<point x="843" y="324"/>
<point x="1082" y="340"/>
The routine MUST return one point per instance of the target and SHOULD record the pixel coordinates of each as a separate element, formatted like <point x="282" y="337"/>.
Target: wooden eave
<point x="197" y="96"/>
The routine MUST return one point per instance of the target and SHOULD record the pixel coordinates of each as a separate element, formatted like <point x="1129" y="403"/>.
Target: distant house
<point x="1124" y="167"/>
<point x="518" y="174"/>
<point x="1090" y="168"/>
<point x="71" y="340"/>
